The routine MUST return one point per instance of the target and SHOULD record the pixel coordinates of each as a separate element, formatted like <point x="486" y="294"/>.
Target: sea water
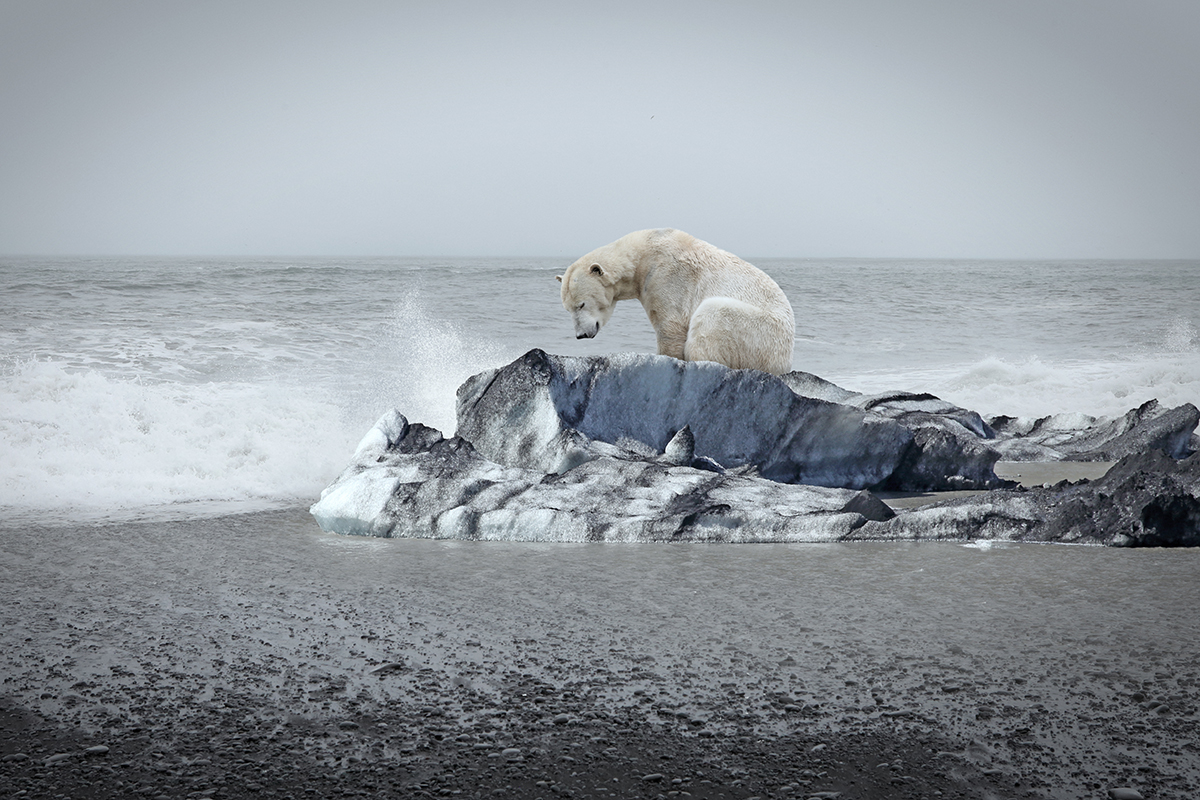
<point x="152" y="388"/>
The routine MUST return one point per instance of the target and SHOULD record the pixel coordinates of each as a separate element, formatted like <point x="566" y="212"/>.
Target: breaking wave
<point x="84" y="445"/>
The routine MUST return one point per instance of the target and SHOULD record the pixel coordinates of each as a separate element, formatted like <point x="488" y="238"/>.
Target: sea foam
<point x="1033" y="387"/>
<point x="87" y="444"/>
<point x="82" y="445"/>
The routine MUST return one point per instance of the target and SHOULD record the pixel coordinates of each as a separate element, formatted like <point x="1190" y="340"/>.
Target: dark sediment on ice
<point x="1144" y="500"/>
<point x="424" y="486"/>
<point x="649" y="448"/>
<point x="550" y="413"/>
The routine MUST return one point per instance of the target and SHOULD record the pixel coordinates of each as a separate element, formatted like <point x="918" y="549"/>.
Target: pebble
<point x="562" y="719"/>
<point x="817" y="748"/>
<point x="1124" y="793"/>
<point x="511" y="753"/>
<point x="389" y="667"/>
<point x="347" y="725"/>
<point x="15" y="757"/>
<point x="653" y="776"/>
<point x="96" y="750"/>
<point x="57" y="757"/>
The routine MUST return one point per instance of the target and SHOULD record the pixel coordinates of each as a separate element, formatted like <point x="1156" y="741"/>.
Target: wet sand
<point x="256" y="656"/>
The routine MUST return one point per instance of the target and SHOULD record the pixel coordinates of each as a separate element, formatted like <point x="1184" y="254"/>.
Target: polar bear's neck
<point x="630" y="282"/>
<point x="637" y="256"/>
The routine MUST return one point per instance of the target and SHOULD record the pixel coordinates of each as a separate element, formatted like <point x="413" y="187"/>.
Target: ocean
<point x="144" y="388"/>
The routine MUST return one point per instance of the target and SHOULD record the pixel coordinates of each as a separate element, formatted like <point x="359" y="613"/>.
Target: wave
<point x="81" y="445"/>
<point x="107" y="441"/>
<point x="1035" y="388"/>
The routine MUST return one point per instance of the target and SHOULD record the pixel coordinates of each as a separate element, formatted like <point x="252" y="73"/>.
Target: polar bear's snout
<point x="587" y="329"/>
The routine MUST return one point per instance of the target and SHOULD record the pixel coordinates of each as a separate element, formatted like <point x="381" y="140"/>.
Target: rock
<point x="96" y="750"/>
<point x="551" y="413"/>
<point x="392" y="666"/>
<point x="1124" y="793"/>
<point x="408" y="481"/>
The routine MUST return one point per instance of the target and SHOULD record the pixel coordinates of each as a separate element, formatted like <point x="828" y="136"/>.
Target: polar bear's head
<point x="589" y="293"/>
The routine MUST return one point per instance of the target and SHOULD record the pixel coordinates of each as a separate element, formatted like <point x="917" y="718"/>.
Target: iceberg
<point x="644" y="448"/>
<point x="552" y="413"/>
<point x="410" y="481"/>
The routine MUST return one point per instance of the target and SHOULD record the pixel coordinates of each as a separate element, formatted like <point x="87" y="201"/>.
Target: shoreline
<point x="256" y="656"/>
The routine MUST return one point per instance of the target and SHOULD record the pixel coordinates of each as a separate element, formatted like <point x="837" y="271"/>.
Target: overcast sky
<point x="1002" y="129"/>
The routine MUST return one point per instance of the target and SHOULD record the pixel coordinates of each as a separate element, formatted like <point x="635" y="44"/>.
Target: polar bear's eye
<point x="581" y="305"/>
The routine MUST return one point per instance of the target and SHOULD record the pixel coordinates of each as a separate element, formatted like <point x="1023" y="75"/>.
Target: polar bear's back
<point x="733" y="312"/>
<point x="718" y="273"/>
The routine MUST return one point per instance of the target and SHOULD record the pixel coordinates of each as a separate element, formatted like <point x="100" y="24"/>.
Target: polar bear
<point x="705" y="304"/>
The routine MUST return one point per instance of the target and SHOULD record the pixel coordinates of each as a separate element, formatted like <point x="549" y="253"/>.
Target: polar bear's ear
<point x="558" y="278"/>
<point x="596" y="269"/>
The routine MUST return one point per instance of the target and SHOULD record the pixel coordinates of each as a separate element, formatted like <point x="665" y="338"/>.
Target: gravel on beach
<point x="255" y="656"/>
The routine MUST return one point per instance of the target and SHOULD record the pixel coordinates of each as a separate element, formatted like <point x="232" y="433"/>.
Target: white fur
<point x="705" y="304"/>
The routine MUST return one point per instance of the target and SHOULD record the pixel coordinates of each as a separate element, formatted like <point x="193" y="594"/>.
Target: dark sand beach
<point x="255" y="656"/>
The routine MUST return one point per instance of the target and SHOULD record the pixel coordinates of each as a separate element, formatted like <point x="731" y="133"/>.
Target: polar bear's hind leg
<point x="738" y="335"/>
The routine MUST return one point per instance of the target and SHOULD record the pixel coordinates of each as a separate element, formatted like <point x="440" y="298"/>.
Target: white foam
<point x="115" y="441"/>
<point x="82" y="445"/>
<point x="1032" y="387"/>
<point x="420" y="363"/>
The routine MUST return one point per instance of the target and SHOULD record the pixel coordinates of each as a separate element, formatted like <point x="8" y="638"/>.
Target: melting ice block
<point x="551" y="413"/>
<point x="648" y="448"/>
<point x="409" y="481"/>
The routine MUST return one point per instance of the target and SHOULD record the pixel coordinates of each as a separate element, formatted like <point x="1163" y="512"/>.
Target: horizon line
<point x="546" y="257"/>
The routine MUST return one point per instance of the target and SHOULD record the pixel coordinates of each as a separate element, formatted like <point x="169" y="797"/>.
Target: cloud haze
<point x="926" y="129"/>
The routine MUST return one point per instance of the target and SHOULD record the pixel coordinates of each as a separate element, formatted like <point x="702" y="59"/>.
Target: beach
<point x="256" y="656"/>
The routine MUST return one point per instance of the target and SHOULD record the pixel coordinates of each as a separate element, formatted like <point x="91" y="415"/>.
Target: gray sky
<point x="927" y="129"/>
